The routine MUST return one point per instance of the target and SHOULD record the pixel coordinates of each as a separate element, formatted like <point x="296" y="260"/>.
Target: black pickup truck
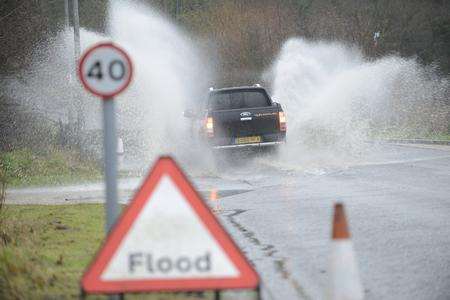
<point x="241" y="117"/>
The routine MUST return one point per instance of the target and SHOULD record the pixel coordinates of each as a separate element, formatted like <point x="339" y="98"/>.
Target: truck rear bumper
<point x="264" y="144"/>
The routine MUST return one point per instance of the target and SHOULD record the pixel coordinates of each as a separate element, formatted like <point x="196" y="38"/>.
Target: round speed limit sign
<point x="105" y="70"/>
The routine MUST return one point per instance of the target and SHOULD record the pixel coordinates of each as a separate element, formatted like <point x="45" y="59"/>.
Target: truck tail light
<point x="282" y="120"/>
<point x="209" y="127"/>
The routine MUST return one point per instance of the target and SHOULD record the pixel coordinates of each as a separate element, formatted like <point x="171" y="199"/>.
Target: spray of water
<point x="48" y="87"/>
<point x="170" y="75"/>
<point x="336" y="99"/>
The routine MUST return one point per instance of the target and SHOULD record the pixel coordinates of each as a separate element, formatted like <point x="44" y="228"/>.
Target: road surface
<point x="397" y="200"/>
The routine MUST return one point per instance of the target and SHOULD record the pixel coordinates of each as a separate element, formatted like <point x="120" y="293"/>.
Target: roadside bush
<point x="2" y="188"/>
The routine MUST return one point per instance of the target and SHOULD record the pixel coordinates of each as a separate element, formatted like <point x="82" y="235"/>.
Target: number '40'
<point x="116" y="70"/>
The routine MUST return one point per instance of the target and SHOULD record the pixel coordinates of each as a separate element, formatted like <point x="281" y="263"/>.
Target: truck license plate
<point x="248" y="140"/>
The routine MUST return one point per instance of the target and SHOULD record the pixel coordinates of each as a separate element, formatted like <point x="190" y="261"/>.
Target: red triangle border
<point x="91" y="281"/>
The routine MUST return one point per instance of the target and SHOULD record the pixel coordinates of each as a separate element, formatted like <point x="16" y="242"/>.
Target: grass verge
<point x="395" y="134"/>
<point x="57" y="166"/>
<point x="44" y="250"/>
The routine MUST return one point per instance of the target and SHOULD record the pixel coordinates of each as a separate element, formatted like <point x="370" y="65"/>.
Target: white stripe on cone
<point x="345" y="283"/>
<point x="344" y="277"/>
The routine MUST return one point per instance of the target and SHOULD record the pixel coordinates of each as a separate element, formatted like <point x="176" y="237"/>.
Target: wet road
<point x="397" y="199"/>
<point x="398" y="204"/>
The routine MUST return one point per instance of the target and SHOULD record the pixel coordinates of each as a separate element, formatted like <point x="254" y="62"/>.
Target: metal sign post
<point x="105" y="70"/>
<point x="110" y="146"/>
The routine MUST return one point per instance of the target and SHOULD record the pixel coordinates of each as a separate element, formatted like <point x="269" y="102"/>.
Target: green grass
<point x="405" y="134"/>
<point x="44" y="250"/>
<point x="438" y="136"/>
<point x="28" y="168"/>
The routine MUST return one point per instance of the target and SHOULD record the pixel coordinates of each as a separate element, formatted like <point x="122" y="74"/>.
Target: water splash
<point x="48" y="87"/>
<point x="333" y="96"/>
<point x="336" y="99"/>
<point x="170" y="75"/>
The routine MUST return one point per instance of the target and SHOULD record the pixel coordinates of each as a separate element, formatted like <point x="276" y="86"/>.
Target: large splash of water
<point x="170" y="74"/>
<point x="336" y="99"/>
<point x="48" y="87"/>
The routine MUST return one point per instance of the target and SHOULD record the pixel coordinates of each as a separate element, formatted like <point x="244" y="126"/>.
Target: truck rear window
<point x="238" y="99"/>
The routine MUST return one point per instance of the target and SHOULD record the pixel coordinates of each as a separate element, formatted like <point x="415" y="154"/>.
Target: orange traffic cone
<point x="344" y="277"/>
<point x="213" y="197"/>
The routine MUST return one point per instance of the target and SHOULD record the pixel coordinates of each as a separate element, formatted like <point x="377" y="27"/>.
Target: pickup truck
<point x="242" y="117"/>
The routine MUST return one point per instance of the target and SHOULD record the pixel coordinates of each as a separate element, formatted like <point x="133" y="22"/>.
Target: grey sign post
<point x="105" y="70"/>
<point x="110" y="155"/>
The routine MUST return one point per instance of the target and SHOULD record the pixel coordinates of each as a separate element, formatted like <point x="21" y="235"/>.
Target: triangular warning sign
<point x="168" y="240"/>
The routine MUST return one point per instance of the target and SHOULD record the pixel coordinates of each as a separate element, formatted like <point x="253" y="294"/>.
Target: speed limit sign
<point x="105" y="70"/>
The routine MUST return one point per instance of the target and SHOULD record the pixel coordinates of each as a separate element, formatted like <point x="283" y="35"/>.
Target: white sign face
<point x="105" y="70"/>
<point x="168" y="241"/>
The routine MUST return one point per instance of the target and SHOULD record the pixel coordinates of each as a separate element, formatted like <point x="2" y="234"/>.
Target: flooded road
<point x="397" y="199"/>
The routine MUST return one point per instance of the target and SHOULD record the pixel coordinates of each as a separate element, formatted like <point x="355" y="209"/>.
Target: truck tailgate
<point x="246" y="122"/>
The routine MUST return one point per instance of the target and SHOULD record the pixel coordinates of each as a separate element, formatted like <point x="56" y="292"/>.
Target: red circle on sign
<point x="105" y="96"/>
